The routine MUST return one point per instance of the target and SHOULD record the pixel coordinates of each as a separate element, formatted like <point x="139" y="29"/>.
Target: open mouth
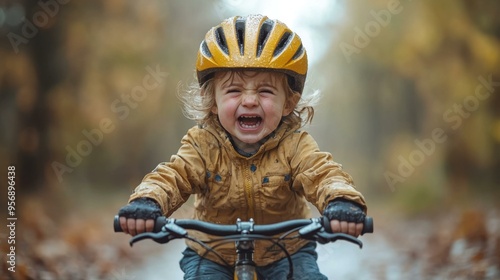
<point x="249" y="121"/>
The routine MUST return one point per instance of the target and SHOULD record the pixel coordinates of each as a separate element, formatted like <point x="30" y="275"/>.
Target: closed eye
<point x="267" y="91"/>
<point x="233" y="90"/>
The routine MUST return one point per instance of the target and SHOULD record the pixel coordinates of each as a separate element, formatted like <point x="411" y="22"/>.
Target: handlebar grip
<point x="159" y="223"/>
<point x="367" y="225"/>
<point x="116" y="224"/>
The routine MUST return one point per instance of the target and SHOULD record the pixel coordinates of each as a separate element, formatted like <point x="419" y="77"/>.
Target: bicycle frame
<point x="245" y="233"/>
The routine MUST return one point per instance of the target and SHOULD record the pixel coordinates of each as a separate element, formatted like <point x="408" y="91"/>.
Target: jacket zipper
<point x="248" y="191"/>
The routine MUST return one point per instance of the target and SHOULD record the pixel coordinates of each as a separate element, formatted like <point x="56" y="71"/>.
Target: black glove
<point x="344" y="210"/>
<point x="141" y="208"/>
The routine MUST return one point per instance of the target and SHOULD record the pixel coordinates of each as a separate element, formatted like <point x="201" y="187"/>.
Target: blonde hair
<point x="199" y="101"/>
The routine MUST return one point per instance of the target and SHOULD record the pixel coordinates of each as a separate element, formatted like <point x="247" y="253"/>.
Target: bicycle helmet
<point x="251" y="43"/>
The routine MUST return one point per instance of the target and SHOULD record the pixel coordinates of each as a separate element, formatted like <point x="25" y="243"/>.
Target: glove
<point x="344" y="210"/>
<point x="141" y="208"/>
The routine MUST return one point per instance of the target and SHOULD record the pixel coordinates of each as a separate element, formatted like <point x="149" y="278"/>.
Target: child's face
<point x="250" y="106"/>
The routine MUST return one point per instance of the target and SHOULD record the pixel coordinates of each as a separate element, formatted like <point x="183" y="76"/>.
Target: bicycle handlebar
<point x="225" y="230"/>
<point x="316" y="229"/>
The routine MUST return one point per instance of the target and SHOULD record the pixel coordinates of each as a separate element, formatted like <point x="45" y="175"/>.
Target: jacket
<point x="270" y="186"/>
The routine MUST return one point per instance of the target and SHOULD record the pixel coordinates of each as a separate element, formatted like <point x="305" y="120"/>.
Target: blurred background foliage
<point x="391" y="73"/>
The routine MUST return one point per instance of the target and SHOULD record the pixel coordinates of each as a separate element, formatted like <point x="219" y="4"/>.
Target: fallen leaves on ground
<point x="70" y="246"/>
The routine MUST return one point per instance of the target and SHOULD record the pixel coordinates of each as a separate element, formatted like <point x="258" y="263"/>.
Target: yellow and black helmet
<point x="253" y="42"/>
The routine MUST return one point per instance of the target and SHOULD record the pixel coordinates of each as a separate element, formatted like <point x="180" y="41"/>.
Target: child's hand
<point x="345" y="217"/>
<point x="350" y="228"/>
<point x="139" y="216"/>
<point x="136" y="226"/>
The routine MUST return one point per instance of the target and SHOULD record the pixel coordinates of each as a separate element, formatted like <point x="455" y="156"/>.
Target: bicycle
<point x="244" y="234"/>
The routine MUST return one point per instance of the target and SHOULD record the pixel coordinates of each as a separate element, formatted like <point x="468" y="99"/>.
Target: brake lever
<point x="324" y="237"/>
<point x="161" y="237"/>
<point x="169" y="231"/>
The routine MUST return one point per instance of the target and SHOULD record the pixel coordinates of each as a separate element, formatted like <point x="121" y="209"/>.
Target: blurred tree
<point x="33" y="66"/>
<point x="400" y="69"/>
<point x="69" y="66"/>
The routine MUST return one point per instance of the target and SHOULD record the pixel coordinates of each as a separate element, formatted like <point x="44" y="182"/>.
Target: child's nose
<point x="250" y="99"/>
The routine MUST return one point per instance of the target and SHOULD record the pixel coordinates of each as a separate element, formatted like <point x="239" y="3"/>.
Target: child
<point x="247" y="157"/>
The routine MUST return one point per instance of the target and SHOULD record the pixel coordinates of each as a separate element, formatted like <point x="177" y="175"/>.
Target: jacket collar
<point x="270" y="142"/>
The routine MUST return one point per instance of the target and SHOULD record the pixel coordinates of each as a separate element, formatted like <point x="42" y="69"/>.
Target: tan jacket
<point x="271" y="186"/>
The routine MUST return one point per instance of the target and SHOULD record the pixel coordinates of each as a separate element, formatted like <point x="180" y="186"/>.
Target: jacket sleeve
<point x="171" y="183"/>
<point x="318" y="177"/>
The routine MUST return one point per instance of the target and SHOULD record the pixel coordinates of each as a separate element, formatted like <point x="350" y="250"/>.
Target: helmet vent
<point x="221" y="40"/>
<point x="285" y="39"/>
<point x="240" y="34"/>
<point x="265" y="30"/>
<point x="205" y="49"/>
<point x="299" y="52"/>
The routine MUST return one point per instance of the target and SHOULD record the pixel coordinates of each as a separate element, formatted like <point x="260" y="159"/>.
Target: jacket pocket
<point x="219" y="190"/>
<point x="276" y="192"/>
